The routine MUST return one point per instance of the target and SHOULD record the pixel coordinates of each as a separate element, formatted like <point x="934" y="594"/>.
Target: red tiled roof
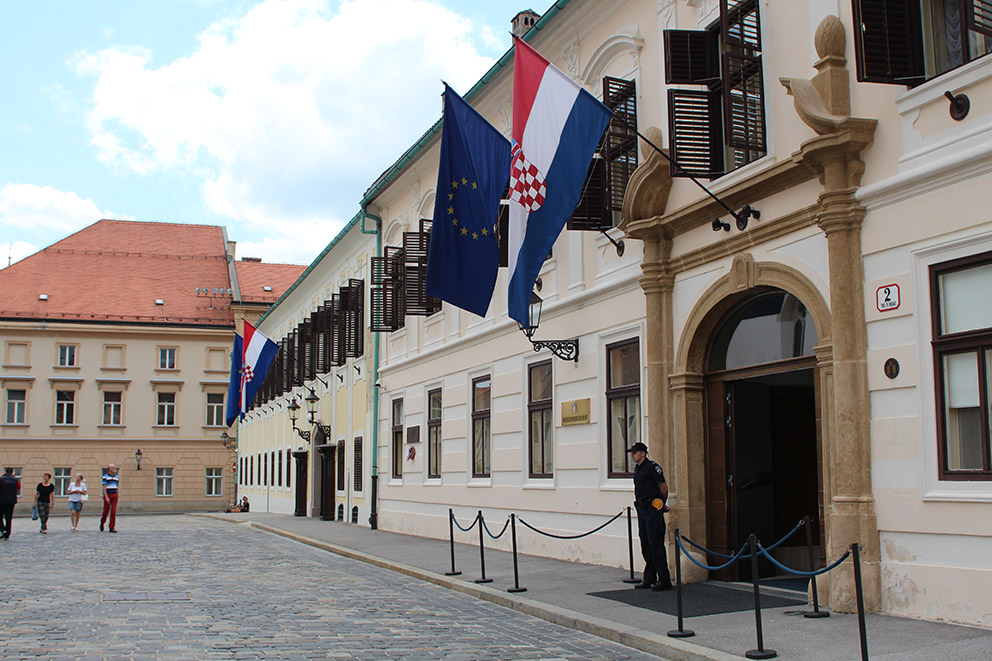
<point x="254" y="277"/>
<point x="115" y="270"/>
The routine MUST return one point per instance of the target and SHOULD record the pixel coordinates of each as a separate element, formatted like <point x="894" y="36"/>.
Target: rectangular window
<point x="434" y="433"/>
<point x="397" y="439"/>
<point x="167" y="358"/>
<point x="251" y="471"/>
<point x="16" y="402"/>
<point x="163" y="481"/>
<point x="166" y="409"/>
<point x="62" y="476"/>
<point x="481" y="427"/>
<point x="289" y="469"/>
<point x="539" y="395"/>
<point x="340" y="466"/>
<point x="67" y="355"/>
<point x="112" y="403"/>
<point x="961" y="311"/>
<point x="272" y="467"/>
<point x="623" y="401"/>
<point x="722" y="127"/>
<point x="907" y="42"/>
<point x="280" y="468"/>
<point x="65" y="407"/>
<point x="214" y="481"/>
<point x="215" y="409"/>
<point x="357" y="473"/>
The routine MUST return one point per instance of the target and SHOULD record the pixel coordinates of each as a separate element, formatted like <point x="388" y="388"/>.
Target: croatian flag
<point x="556" y="128"/>
<point x="250" y="363"/>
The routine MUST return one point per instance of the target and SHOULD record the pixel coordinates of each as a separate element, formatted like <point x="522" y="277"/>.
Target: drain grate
<point x="146" y="596"/>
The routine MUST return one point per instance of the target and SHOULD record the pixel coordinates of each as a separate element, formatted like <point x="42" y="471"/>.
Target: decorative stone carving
<point x="505" y="116"/>
<point x="649" y="185"/>
<point x="572" y="61"/>
<point x="743" y="274"/>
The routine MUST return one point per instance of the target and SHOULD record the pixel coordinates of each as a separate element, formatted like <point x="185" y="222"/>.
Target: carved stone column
<point x="824" y="105"/>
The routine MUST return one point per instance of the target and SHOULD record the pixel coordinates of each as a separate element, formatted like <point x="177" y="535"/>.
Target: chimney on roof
<point x="524" y="21"/>
<point x="251" y="259"/>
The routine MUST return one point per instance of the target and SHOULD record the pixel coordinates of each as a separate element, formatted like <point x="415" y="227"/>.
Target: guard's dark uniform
<point x="651" y="522"/>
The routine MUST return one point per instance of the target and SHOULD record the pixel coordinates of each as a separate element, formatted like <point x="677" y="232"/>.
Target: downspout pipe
<point x="374" y="513"/>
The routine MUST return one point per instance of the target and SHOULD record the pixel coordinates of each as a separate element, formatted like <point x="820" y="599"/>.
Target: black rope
<point x="585" y="534"/>
<point x="458" y="525"/>
<point x="486" y="528"/>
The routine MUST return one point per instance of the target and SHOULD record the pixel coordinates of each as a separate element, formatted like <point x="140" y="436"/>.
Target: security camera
<point x="378" y="384"/>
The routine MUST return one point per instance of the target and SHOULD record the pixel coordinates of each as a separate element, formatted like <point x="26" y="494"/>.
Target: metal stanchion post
<point x="760" y="652"/>
<point x="816" y="612"/>
<point x="680" y="632"/>
<point x="451" y="538"/>
<point x="630" y="549"/>
<point x="861" y="601"/>
<point x="482" y="552"/>
<point x="516" y="576"/>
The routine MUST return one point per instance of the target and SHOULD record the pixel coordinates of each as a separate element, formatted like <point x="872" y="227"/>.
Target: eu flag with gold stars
<point x="472" y="175"/>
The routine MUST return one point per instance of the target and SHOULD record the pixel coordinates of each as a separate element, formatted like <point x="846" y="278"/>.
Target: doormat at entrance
<point x="697" y="599"/>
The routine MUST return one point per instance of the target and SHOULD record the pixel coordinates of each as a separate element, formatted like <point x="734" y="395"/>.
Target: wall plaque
<point x="575" y="412"/>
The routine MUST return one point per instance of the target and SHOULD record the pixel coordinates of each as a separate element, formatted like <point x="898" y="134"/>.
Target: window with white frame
<point x="163" y="481"/>
<point x="166" y="414"/>
<point x="434" y="445"/>
<point x="62" y="476"/>
<point x="397" y="438"/>
<point x="167" y="358"/>
<point x="18" y="473"/>
<point x="215" y="478"/>
<point x="541" y="418"/>
<point x="67" y="355"/>
<point x="481" y="427"/>
<point x="113" y="401"/>
<point x="16" y="403"/>
<point x="623" y="401"/>
<point x="215" y="409"/>
<point x="65" y="407"/>
<point x="961" y="314"/>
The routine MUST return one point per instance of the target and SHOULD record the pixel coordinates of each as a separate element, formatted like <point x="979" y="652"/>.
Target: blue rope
<point x="778" y="564"/>
<point x="740" y="554"/>
<point x="458" y="525"/>
<point x="547" y="534"/>
<point x="788" y="535"/>
<point x="486" y="528"/>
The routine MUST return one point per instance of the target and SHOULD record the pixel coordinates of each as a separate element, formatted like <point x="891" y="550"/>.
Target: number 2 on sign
<point x="887" y="297"/>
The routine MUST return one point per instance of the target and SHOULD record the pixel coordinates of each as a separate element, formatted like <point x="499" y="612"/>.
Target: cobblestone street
<point x="184" y="588"/>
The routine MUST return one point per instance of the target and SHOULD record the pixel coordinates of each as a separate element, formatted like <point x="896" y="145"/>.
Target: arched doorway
<point x="763" y="468"/>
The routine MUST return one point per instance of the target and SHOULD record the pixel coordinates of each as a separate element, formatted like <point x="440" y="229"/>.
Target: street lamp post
<point x="564" y="349"/>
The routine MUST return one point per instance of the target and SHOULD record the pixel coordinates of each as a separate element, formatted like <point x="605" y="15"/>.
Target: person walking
<point x="650" y="494"/>
<point x="76" y="490"/>
<point x="44" y="500"/>
<point x="9" y="486"/>
<point x="111" y="483"/>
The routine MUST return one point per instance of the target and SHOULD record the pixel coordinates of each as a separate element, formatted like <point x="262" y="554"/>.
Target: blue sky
<point x="270" y="118"/>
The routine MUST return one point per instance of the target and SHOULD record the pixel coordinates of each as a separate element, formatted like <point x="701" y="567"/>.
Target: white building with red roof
<point x="116" y="340"/>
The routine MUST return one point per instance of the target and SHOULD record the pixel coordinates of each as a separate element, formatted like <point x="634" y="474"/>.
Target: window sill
<point x="165" y="426"/>
<point x="111" y="426"/>
<point x="431" y="482"/>
<point x="479" y="482"/>
<point x="58" y="426"/>
<point x="158" y="495"/>
<point x="66" y="368"/>
<point x="15" y="424"/>
<point x="539" y="483"/>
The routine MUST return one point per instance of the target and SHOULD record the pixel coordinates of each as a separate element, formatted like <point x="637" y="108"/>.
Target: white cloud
<point x="29" y="207"/>
<point x="288" y="112"/>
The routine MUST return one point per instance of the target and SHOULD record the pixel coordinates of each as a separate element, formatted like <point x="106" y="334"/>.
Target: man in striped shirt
<point x="111" y="482"/>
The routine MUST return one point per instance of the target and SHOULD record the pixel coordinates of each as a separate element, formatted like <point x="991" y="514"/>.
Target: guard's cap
<point x="637" y="447"/>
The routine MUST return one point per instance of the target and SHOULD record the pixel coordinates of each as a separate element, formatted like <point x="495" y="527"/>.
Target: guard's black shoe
<point x="101" y="527"/>
<point x="643" y="585"/>
<point x="661" y="586"/>
<point x="116" y="531"/>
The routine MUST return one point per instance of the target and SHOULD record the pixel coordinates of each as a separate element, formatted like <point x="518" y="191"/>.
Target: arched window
<point x="766" y="328"/>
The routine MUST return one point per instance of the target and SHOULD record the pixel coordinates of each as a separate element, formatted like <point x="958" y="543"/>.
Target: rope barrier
<point x="474" y="521"/>
<point x="738" y="555"/>
<point x="817" y="572"/>
<point x="585" y="534"/>
<point x="486" y="528"/>
<point x="733" y="559"/>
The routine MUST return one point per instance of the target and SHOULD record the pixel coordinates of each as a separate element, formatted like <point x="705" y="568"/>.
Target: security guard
<point x="650" y="494"/>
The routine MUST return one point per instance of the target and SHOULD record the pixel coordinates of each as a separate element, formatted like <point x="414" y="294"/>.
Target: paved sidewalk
<point x="560" y="592"/>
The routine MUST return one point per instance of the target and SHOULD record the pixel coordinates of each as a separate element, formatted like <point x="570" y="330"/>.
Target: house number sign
<point x="887" y="298"/>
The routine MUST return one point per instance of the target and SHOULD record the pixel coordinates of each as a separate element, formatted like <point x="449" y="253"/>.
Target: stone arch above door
<point x="745" y="276"/>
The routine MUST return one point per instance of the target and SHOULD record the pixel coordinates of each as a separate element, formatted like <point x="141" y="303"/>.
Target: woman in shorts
<point x="76" y="490"/>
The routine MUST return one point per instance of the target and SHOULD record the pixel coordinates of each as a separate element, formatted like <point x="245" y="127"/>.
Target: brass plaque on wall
<point x="575" y="412"/>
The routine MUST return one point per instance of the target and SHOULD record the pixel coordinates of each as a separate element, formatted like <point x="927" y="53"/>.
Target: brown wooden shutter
<point x="415" y="248"/>
<point x="592" y="213"/>
<point x="503" y="228"/>
<point x="340" y="466"/>
<point x="888" y="44"/>
<point x="620" y="140"/>
<point x="979" y="16"/>
<point x="357" y="473"/>
<point x="301" y="354"/>
<point x="353" y="307"/>
<point x="696" y="135"/>
<point x="743" y="88"/>
<point x="337" y="331"/>
<point x="387" y="293"/>
<point x="691" y="57"/>
<point x="317" y="323"/>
